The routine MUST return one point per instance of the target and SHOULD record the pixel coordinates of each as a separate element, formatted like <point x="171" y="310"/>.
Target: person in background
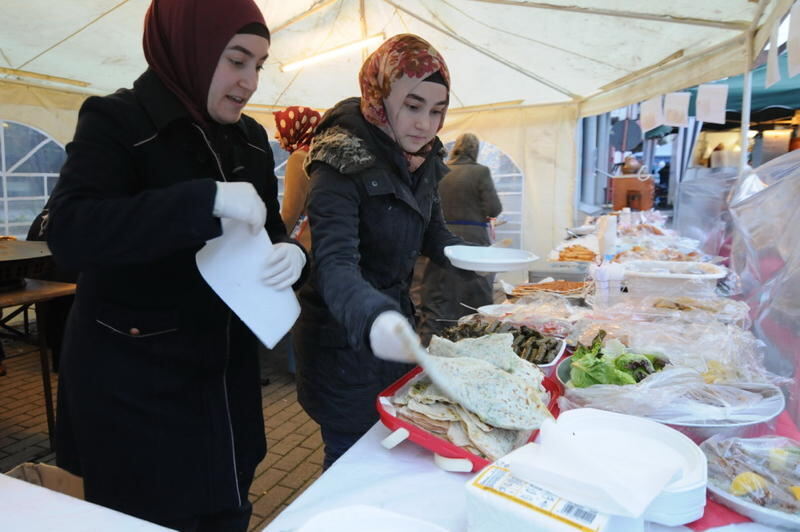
<point x="469" y="199"/>
<point x="159" y="402"/>
<point x="373" y="208"/>
<point x="295" y="129"/>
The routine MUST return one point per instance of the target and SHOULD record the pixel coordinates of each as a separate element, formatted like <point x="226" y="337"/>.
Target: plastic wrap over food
<point x="766" y="255"/>
<point x="764" y="471"/>
<point x="550" y="314"/>
<point x="678" y="306"/>
<point x="681" y="396"/>
<point x="720" y="352"/>
<point x="702" y="208"/>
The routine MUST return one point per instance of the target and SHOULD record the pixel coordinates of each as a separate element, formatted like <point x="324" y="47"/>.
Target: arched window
<point x="30" y="161"/>
<point x="508" y="180"/>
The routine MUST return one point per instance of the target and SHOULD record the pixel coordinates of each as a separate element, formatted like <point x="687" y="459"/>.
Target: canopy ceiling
<point x="531" y="53"/>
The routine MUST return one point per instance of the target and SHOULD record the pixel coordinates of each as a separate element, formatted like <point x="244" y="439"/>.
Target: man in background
<point x="468" y="199"/>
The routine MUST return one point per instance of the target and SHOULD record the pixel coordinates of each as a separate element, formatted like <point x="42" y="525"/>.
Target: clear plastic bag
<point x="702" y="208"/>
<point x="720" y="352"/>
<point x="550" y="314"/>
<point x="681" y="396"/>
<point x="766" y="256"/>
<point x="688" y="307"/>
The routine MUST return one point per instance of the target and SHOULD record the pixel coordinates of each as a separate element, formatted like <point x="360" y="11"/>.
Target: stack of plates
<point x="683" y="500"/>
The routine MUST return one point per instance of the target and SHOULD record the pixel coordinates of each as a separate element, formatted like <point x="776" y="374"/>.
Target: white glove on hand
<point x="386" y="340"/>
<point x="240" y="201"/>
<point x="284" y="265"/>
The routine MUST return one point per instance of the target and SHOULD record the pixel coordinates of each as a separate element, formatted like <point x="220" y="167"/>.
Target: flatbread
<point x="497" y="397"/>
<point x="494" y="348"/>
<point x="427" y="392"/>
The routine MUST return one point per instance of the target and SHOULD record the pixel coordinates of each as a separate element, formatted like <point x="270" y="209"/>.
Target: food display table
<point x="24" y="506"/>
<point x="404" y="480"/>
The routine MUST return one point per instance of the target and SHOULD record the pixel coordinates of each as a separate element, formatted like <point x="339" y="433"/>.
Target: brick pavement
<point x="293" y="462"/>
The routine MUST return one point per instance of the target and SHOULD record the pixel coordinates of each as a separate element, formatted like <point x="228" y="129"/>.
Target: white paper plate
<point x="583" y="229"/>
<point x="363" y="517"/>
<point x="489" y="259"/>
<point x="759" y="514"/>
<point x="499" y="310"/>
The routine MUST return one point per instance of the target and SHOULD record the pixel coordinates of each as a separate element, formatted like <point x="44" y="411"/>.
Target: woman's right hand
<point x="385" y="337"/>
<point x="240" y="201"/>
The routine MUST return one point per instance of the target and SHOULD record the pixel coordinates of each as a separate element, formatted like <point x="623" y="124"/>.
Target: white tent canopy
<point x="522" y="72"/>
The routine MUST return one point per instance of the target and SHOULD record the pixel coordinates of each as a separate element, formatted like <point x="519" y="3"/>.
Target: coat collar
<point x="163" y="107"/>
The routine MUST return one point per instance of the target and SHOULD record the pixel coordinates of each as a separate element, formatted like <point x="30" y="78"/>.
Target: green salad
<point x="611" y="364"/>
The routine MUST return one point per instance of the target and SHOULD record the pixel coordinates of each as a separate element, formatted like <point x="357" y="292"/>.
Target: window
<point x="30" y="162"/>
<point x="508" y="181"/>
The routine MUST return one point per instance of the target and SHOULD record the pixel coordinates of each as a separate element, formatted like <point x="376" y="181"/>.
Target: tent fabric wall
<point x="541" y="141"/>
<point x="53" y="111"/>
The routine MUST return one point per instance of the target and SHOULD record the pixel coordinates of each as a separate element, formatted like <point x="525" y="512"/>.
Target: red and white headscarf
<point x="183" y="40"/>
<point x="296" y="127"/>
<point x="390" y="73"/>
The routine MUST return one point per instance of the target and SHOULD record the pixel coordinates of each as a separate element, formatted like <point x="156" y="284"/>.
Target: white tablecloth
<point x="404" y="480"/>
<point x="24" y="506"/>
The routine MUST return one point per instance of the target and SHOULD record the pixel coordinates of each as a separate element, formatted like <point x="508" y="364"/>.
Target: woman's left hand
<point x="284" y="265"/>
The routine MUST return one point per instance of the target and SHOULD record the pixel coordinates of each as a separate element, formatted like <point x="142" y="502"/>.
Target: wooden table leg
<point x="44" y="359"/>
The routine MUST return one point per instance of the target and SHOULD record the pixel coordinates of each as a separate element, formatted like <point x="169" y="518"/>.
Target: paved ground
<point x="295" y="448"/>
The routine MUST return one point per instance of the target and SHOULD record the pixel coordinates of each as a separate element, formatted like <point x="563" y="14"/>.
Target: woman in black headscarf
<point x="159" y="395"/>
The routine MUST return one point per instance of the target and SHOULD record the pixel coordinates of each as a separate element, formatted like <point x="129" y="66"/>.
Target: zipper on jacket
<point x="228" y="408"/>
<point x="214" y="153"/>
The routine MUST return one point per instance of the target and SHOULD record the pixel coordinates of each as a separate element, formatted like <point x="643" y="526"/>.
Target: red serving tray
<point x="441" y="446"/>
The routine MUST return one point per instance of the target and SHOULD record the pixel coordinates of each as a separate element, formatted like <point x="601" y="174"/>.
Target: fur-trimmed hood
<point x="340" y="149"/>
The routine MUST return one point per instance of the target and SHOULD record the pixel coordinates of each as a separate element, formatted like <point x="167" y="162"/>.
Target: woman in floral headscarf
<point x="373" y="208"/>
<point x="295" y="128"/>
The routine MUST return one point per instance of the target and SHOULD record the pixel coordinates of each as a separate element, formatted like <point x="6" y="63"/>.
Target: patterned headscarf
<point x="390" y="73"/>
<point x="296" y="127"/>
<point x="183" y="40"/>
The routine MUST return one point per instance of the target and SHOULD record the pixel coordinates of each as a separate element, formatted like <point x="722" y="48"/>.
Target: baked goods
<point x="557" y="287"/>
<point x="643" y="253"/>
<point x="576" y="252"/>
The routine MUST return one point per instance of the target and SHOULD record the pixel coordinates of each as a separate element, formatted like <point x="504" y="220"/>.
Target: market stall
<point x="659" y="335"/>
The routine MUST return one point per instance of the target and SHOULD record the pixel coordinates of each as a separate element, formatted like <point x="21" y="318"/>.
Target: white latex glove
<point x="385" y="340"/>
<point x="240" y="201"/>
<point x="284" y="265"/>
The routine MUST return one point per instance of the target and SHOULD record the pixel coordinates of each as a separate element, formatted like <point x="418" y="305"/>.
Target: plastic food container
<point x="447" y="455"/>
<point x="662" y="277"/>
<point x="550" y="368"/>
<point x="699" y="432"/>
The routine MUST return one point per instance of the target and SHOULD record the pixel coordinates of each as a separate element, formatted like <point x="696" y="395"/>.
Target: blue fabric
<point x="466" y="222"/>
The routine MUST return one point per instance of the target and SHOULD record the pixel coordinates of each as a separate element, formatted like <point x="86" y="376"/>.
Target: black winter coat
<point x="159" y="404"/>
<point x="370" y="219"/>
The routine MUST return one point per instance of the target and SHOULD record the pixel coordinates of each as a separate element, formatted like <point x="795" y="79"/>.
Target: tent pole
<point x="747" y="92"/>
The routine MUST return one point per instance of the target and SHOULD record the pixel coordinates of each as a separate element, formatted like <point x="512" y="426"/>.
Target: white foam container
<point x="682" y="500"/>
<point x="489" y="259"/>
<point x="663" y="277"/>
